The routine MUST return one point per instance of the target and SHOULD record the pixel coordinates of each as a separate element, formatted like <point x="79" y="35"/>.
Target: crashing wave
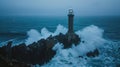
<point x="75" y="56"/>
<point x="91" y="37"/>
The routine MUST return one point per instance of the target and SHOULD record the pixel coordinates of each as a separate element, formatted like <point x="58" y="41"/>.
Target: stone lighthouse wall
<point x="70" y="21"/>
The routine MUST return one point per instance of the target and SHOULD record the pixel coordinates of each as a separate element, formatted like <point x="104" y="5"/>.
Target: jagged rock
<point x="3" y="51"/>
<point x="4" y="62"/>
<point x="93" y="54"/>
<point x="40" y="52"/>
<point x="8" y="49"/>
<point x="64" y="39"/>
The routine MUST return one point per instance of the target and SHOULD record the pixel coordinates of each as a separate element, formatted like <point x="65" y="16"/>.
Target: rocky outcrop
<point x="66" y="41"/>
<point x="38" y="52"/>
<point x="93" y="53"/>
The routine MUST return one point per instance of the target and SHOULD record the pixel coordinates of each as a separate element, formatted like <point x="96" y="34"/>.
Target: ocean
<point x="17" y="28"/>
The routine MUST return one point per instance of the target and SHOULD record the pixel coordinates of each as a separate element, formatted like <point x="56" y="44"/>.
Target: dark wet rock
<point x="93" y="53"/>
<point x="36" y="53"/>
<point x="8" y="49"/>
<point x="67" y="41"/>
<point x="20" y="52"/>
<point x="3" y="51"/>
<point x="39" y="52"/>
<point x="5" y="62"/>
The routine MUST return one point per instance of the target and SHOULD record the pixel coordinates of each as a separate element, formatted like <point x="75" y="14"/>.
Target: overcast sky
<point x="60" y="7"/>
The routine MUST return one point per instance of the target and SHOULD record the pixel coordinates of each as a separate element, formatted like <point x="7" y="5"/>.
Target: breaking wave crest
<point x="34" y="35"/>
<point x="91" y="39"/>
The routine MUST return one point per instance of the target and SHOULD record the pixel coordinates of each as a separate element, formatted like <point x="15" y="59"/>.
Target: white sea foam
<point x="91" y="36"/>
<point x="34" y="35"/>
<point x="60" y="29"/>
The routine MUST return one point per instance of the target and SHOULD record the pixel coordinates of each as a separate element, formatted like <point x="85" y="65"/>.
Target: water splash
<point x="92" y="38"/>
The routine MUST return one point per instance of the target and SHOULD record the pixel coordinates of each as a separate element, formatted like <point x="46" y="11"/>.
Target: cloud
<point x="58" y="7"/>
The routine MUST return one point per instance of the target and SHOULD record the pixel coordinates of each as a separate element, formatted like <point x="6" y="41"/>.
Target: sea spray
<point x="109" y="51"/>
<point x="92" y="38"/>
<point x="45" y="33"/>
<point x="60" y="29"/>
<point x="34" y="35"/>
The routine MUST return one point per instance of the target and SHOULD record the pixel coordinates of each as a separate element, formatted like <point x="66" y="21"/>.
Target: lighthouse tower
<point x="70" y="33"/>
<point x="70" y="21"/>
<point x="71" y="37"/>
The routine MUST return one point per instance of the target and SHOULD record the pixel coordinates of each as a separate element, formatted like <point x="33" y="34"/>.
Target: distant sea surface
<point x="16" y="27"/>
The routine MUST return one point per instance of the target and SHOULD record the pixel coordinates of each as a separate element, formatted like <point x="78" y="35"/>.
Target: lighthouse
<point x="70" y="33"/>
<point x="71" y="37"/>
<point x="70" y="21"/>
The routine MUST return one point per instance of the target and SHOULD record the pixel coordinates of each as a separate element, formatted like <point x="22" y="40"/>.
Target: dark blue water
<point x="16" y="27"/>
